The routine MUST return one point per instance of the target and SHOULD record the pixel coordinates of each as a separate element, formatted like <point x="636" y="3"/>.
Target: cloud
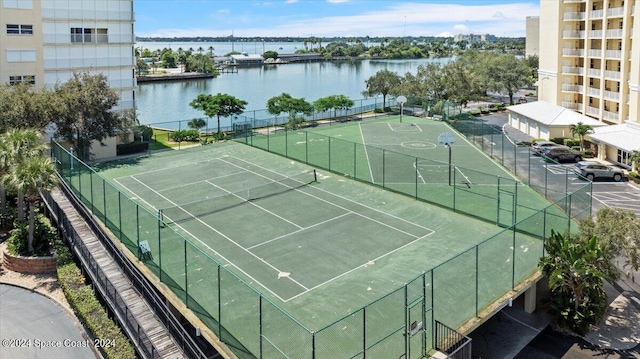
<point x="396" y="19"/>
<point x="337" y="1"/>
<point x="291" y="1"/>
<point x="223" y="11"/>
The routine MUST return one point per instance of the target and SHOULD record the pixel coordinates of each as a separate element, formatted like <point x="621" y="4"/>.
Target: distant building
<point x="245" y="59"/>
<point x="533" y="36"/>
<point x="475" y="38"/>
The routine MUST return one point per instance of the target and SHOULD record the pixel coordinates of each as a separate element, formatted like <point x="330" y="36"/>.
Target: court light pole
<point x="401" y="100"/>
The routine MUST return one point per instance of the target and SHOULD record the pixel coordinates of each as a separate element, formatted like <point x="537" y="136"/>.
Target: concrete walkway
<point x="34" y="326"/>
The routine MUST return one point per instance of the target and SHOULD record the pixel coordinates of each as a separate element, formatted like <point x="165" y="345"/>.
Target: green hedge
<point x="185" y="135"/>
<point x="44" y="234"/>
<point x="133" y="147"/>
<point x="88" y="309"/>
<point x="558" y="140"/>
<point x="572" y="142"/>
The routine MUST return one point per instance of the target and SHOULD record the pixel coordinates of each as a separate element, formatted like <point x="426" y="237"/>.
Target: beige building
<point x="590" y="63"/>
<point x="45" y="41"/>
<point x="532" y="46"/>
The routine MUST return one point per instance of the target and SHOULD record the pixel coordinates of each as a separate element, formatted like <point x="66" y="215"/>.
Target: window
<point x="18" y="4"/>
<point x="623" y="157"/>
<point x="13" y="29"/>
<point x="21" y="55"/>
<point x="89" y="35"/>
<point x="14" y="80"/>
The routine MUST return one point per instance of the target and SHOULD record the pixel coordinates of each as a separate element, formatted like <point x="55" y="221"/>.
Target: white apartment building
<point x="590" y="63"/>
<point x="45" y="41"/>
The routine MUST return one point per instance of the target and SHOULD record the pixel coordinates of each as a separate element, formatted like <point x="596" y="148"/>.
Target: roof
<point x="247" y="57"/>
<point x="625" y="136"/>
<point x="553" y="115"/>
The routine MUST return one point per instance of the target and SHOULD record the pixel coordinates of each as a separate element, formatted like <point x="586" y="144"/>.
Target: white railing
<point x="615" y="11"/>
<point x="592" y="91"/>
<point x="596" y="13"/>
<point x="87" y="38"/>
<point x="595" y="33"/>
<point x="59" y="63"/>
<point x="572" y="88"/>
<point x="611" y="116"/>
<point x="570" y="15"/>
<point x="613" y="54"/>
<point x="571" y="105"/>
<point x="593" y="111"/>
<point x="60" y="14"/>
<point x="573" y="70"/>
<point x="594" y="72"/>
<point x="616" y="75"/>
<point x="614" y="33"/>
<point x="610" y="95"/>
<point x="573" y="52"/>
<point x="573" y="34"/>
<point x="595" y="53"/>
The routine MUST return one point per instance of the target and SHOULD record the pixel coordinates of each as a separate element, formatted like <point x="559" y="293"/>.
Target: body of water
<point x="169" y="101"/>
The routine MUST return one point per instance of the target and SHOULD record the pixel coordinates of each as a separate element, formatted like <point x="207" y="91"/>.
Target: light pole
<point x="401" y="100"/>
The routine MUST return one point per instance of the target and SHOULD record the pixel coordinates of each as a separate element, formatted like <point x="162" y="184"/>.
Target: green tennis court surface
<point x="320" y="249"/>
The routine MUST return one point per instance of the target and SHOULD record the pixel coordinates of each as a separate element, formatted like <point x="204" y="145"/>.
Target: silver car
<point x="592" y="170"/>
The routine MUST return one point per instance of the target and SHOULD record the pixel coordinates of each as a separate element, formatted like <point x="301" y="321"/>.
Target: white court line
<point x="223" y="235"/>
<point x="134" y="194"/>
<point x="256" y="205"/>
<point x="190" y="183"/>
<point x="417" y="168"/>
<point x="405" y="131"/>
<point x="358" y="267"/>
<point x="298" y="231"/>
<point x="170" y="168"/>
<point x="463" y="175"/>
<point x="365" y="152"/>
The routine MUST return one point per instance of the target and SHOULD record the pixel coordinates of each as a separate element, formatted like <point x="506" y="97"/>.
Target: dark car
<point x="592" y="170"/>
<point x="562" y="153"/>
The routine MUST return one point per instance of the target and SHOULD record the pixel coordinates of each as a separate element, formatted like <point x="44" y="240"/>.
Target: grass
<point x="161" y="141"/>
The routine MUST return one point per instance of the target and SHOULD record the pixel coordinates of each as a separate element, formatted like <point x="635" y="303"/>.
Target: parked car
<point x="562" y="153"/>
<point x="539" y="145"/>
<point x="592" y="170"/>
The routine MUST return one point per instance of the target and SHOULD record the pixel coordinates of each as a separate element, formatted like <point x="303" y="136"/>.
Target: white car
<point x="592" y="170"/>
<point x="539" y="145"/>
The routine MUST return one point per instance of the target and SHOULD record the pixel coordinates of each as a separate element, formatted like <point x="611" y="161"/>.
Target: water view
<point x="169" y="101"/>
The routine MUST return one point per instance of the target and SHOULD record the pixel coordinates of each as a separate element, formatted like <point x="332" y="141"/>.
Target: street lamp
<point x="401" y="100"/>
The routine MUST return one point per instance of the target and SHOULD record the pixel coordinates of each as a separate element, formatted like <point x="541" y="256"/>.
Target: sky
<point x="328" y="18"/>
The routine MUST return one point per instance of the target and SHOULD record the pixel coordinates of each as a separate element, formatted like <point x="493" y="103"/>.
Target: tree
<point x="575" y="267"/>
<point x="634" y="158"/>
<point x="381" y="83"/>
<point x="270" y="55"/>
<point x="507" y="74"/>
<point x="22" y="106"/>
<point x="141" y="66"/>
<point x="293" y="106"/>
<point x="580" y="130"/>
<point x="462" y="86"/>
<point x="618" y="230"/>
<point x="197" y="123"/>
<point x="85" y="112"/>
<point x="30" y="176"/>
<point x="218" y="105"/>
<point x="333" y="102"/>
<point x="168" y="60"/>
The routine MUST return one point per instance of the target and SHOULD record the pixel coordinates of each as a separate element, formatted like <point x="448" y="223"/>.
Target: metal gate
<point x="416" y="333"/>
<point x="506" y="208"/>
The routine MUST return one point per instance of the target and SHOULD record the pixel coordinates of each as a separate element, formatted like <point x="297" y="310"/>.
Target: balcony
<point x="592" y="91"/>
<point x="610" y="116"/>
<point x="594" y="72"/>
<point x="573" y="52"/>
<point x="572" y="105"/>
<point x="570" y="15"/>
<point x="573" y="70"/>
<point x="615" y="12"/>
<point x="613" y="54"/>
<point x="595" y="33"/>
<point x="572" y="88"/>
<point x="61" y="63"/>
<point x="595" y="53"/>
<point x="60" y="14"/>
<point x="592" y="111"/>
<point x="573" y="34"/>
<point x="615" y="75"/>
<point x="80" y="39"/>
<point x="615" y="33"/>
<point x="595" y="14"/>
<point x="610" y="95"/>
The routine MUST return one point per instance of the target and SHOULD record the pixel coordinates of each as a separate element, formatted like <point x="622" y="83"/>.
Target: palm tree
<point x="200" y="49"/>
<point x="210" y="48"/>
<point x="580" y="130"/>
<point x="30" y="176"/>
<point x="634" y="158"/>
<point x="19" y="144"/>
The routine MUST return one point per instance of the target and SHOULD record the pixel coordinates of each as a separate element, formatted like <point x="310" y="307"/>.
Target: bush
<point x="587" y="153"/>
<point x="537" y="140"/>
<point x="133" y="147"/>
<point x="572" y="142"/>
<point x="185" y="135"/>
<point x="378" y="110"/>
<point x="88" y="309"/>
<point x="143" y="132"/>
<point x="43" y="236"/>
<point x="7" y="218"/>
<point x="634" y="176"/>
<point x="558" y="140"/>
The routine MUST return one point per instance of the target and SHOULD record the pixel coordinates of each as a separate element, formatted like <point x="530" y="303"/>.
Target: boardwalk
<point x="132" y="303"/>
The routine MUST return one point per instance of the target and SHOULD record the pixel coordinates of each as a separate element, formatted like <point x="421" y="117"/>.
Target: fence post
<point x="407" y="337"/>
<point x="355" y="152"/>
<point x="138" y="230"/>
<point x="306" y="147"/>
<point x="104" y="200"/>
<point x="91" y="190"/>
<point x="160" y="247"/>
<point x="477" y="275"/>
<point x="186" y="275"/>
<point x="120" y="215"/>
<point x="313" y="345"/>
<point x="364" y="332"/>
<point x="219" y="306"/>
<point x="416" y="168"/>
<point x="384" y="169"/>
<point x="260" y="324"/>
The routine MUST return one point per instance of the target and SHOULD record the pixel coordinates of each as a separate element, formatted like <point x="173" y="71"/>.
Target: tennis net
<point x="195" y="209"/>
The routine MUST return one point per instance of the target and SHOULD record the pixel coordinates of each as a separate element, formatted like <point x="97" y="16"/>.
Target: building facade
<point x="532" y="47"/>
<point x="45" y="41"/>
<point x="590" y="62"/>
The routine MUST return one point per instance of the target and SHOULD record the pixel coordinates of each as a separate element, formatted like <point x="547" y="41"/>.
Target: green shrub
<point x="43" y="236"/>
<point x="133" y="147"/>
<point x="142" y="133"/>
<point x="537" y="140"/>
<point x="572" y="142"/>
<point x="634" y="176"/>
<point x="587" y="153"/>
<point x="185" y="135"/>
<point x="7" y="218"/>
<point x="558" y="140"/>
<point x="87" y="307"/>
<point x="378" y="110"/>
